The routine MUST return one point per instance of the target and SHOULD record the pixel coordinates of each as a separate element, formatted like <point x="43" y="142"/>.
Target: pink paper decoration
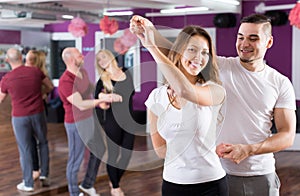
<point x="294" y="15"/>
<point x="123" y="43"/>
<point x="128" y="39"/>
<point x="108" y="26"/>
<point x="119" y="47"/>
<point x="77" y="27"/>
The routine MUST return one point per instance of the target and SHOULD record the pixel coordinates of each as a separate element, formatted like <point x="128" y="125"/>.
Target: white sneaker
<point x="81" y="194"/>
<point x="22" y="187"/>
<point x="90" y="191"/>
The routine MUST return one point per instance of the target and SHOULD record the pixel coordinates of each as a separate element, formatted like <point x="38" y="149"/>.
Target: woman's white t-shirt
<point x="190" y="134"/>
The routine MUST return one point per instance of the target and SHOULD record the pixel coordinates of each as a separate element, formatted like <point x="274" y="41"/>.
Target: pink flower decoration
<point x="78" y="27"/>
<point x="294" y="15"/>
<point x="108" y="26"/>
<point x="119" y="47"/>
<point x="123" y="43"/>
<point x="128" y="39"/>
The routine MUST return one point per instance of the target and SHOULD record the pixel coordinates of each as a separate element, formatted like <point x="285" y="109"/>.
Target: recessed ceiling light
<point x="185" y="9"/>
<point x="69" y="17"/>
<point x="118" y="13"/>
<point x="232" y="2"/>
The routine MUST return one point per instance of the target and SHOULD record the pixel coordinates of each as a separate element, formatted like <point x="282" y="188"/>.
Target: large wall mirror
<point x="130" y="60"/>
<point x="59" y="41"/>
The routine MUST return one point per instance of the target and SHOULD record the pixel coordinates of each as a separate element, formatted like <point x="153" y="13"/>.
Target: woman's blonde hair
<point x="33" y="57"/>
<point x="42" y="62"/>
<point x="211" y="71"/>
<point x="38" y="59"/>
<point x="104" y="75"/>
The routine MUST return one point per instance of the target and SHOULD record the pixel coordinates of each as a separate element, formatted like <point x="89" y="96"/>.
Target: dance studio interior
<point x="91" y="25"/>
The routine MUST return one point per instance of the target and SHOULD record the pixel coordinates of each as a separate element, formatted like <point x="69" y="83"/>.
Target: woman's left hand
<point x="144" y="29"/>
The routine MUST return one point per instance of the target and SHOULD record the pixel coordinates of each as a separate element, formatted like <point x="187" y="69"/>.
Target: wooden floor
<point x="143" y="177"/>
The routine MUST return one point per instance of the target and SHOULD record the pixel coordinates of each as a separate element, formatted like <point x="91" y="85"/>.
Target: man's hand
<point x="222" y="149"/>
<point x="109" y="98"/>
<point x="234" y="152"/>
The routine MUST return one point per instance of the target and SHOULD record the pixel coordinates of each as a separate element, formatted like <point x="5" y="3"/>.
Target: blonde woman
<point x="119" y="139"/>
<point x="35" y="58"/>
<point x="112" y="117"/>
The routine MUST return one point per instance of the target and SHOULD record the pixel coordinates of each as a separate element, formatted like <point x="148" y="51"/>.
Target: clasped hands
<point x="233" y="152"/>
<point x="108" y="98"/>
<point x="143" y="29"/>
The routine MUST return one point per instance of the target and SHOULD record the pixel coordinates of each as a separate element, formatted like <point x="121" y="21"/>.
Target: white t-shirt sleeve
<point x="286" y="98"/>
<point x="153" y="102"/>
<point x="222" y="62"/>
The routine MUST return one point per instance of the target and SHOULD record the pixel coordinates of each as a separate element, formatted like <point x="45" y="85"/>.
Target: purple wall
<point x="225" y="44"/>
<point x="279" y="56"/>
<point x="88" y="43"/>
<point x="10" y="37"/>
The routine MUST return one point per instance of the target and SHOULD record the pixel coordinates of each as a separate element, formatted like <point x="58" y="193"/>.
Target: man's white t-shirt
<point x="251" y="98"/>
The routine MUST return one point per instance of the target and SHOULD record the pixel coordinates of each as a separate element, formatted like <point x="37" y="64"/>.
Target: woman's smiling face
<point x="196" y="55"/>
<point x="103" y="60"/>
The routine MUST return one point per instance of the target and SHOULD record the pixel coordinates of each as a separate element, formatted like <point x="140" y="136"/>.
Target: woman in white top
<point x="184" y="114"/>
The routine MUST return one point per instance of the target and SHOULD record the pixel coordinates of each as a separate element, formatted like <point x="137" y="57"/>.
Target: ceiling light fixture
<point x="51" y="10"/>
<point x="118" y="13"/>
<point x="232" y="2"/>
<point x="68" y="17"/>
<point x="184" y="9"/>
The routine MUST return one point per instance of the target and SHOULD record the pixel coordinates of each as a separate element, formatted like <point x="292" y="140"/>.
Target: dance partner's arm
<point x="159" y="144"/>
<point x="163" y="43"/>
<point x="77" y="100"/>
<point x="203" y="95"/>
<point x="285" y="121"/>
<point x="2" y="96"/>
<point x="47" y="85"/>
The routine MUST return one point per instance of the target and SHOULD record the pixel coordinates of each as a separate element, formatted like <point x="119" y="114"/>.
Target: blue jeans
<point x="91" y="172"/>
<point x="80" y="134"/>
<point x="35" y="155"/>
<point x="76" y="152"/>
<point x="93" y="140"/>
<point x="24" y="128"/>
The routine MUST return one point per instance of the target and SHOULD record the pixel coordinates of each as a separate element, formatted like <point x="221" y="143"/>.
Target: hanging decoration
<point x="108" y="26"/>
<point x="119" y="47"/>
<point x="123" y="43"/>
<point x="294" y="15"/>
<point x="78" y="27"/>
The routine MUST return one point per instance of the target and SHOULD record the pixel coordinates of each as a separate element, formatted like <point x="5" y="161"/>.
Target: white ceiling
<point x="90" y="10"/>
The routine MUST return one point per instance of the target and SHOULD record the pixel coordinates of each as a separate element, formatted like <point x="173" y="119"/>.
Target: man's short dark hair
<point x="259" y="19"/>
<point x="256" y="18"/>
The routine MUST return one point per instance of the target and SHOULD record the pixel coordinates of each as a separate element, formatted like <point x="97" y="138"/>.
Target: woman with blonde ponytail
<point x="114" y="117"/>
<point x="105" y="57"/>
